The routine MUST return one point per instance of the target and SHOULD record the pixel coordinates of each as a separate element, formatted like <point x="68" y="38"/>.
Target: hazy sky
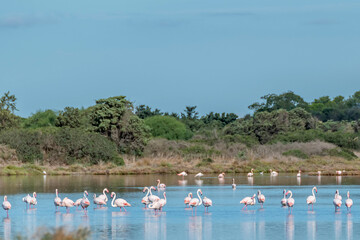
<point x="218" y="55"/>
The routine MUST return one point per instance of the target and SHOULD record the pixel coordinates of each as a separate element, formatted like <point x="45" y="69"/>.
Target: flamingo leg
<point x="7" y="213"/>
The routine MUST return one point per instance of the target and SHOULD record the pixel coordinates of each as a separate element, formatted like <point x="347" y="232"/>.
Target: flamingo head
<point x="253" y="196"/>
<point x="153" y="188"/>
<point x="87" y="194"/>
<point x="34" y="194"/>
<point x="315" y="189"/>
<point x="5" y="198"/>
<point x="258" y="192"/>
<point x="112" y="194"/>
<point x="144" y="189"/>
<point x="158" y="180"/>
<point x="106" y="190"/>
<point x="270" y="170"/>
<point x="348" y="194"/>
<point x="191" y="195"/>
<point x="284" y="191"/>
<point x="201" y="192"/>
<point x="287" y="193"/>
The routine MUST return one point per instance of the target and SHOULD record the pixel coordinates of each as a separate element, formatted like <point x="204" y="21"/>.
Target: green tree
<point x="168" y="127"/>
<point x="41" y="119"/>
<point x="73" y="118"/>
<point x="7" y="107"/>
<point x="144" y="111"/>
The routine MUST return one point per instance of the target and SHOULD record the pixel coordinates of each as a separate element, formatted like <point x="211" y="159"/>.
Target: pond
<point x="225" y="219"/>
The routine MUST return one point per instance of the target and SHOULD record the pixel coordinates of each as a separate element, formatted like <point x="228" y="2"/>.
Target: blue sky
<point x="219" y="55"/>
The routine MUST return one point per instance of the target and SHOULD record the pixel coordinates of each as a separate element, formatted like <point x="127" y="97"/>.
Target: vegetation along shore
<point x="284" y="133"/>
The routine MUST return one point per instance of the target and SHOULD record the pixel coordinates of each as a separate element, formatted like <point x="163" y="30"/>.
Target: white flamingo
<point x="153" y="198"/>
<point x="33" y="200"/>
<point x="233" y="185"/>
<point x="311" y="199"/>
<point x="6" y="206"/>
<point x="319" y="173"/>
<point x="284" y="200"/>
<point x="251" y="173"/>
<point x="207" y="202"/>
<point x="337" y="201"/>
<point x="348" y="202"/>
<point x="66" y="202"/>
<point x="339" y="172"/>
<point x="103" y="196"/>
<point x="26" y="199"/>
<point x="85" y="203"/>
<point x="78" y="202"/>
<point x="156" y="206"/>
<point x="290" y="202"/>
<point x="57" y="200"/>
<point x="195" y="202"/>
<point x="183" y="174"/>
<point x="273" y="173"/>
<point x="199" y="175"/>
<point x="248" y="201"/>
<point x="337" y="194"/>
<point x="160" y="186"/>
<point x="145" y="200"/>
<point x="298" y="174"/>
<point x="99" y="201"/>
<point x="260" y="198"/>
<point x="187" y="199"/>
<point x="221" y="175"/>
<point x="121" y="203"/>
<point x="162" y="201"/>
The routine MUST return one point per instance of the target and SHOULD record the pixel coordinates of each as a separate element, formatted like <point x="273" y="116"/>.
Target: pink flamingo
<point x="248" y="201"/>
<point x="26" y="200"/>
<point x="311" y="199"/>
<point x="283" y="200"/>
<point x="299" y="174"/>
<point x="33" y="200"/>
<point x="78" y="202"/>
<point x="337" y="200"/>
<point x="290" y="201"/>
<point x="195" y="202"/>
<point x="221" y="175"/>
<point x="187" y="199"/>
<point x="104" y="196"/>
<point x="273" y="173"/>
<point x="66" y="202"/>
<point x="85" y="203"/>
<point x="260" y="198"/>
<point x="156" y="206"/>
<point x="153" y="198"/>
<point x="251" y="173"/>
<point x="233" y="185"/>
<point x="207" y="203"/>
<point x="99" y="201"/>
<point x="183" y="174"/>
<point x="121" y="203"/>
<point x="348" y="202"/>
<point x="163" y="201"/>
<point x="160" y="186"/>
<point x="6" y="206"/>
<point x="57" y="200"/>
<point x="145" y="200"/>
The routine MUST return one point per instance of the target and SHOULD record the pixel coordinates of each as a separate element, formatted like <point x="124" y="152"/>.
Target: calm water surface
<point x="225" y="219"/>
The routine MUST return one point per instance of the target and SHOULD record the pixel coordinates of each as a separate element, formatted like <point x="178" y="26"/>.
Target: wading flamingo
<point x="290" y="201"/>
<point x="337" y="194"/>
<point x="26" y="200"/>
<point x="153" y="198"/>
<point x="156" y="206"/>
<point x="248" y="201"/>
<point x="195" y="202"/>
<point x="66" y="202"/>
<point x="57" y="200"/>
<point x="221" y="175"/>
<point x="260" y="198"/>
<point x="337" y="201"/>
<point x="98" y="201"/>
<point x="283" y="200"/>
<point x="319" y="173"/>
<point x="121" y="203"/>
<point x="85" y="203"/>
<point x="160" y="186"/>
<point x="183" y="174"/>
<point x="233" y="185"/>
<point x="251" y="173"/>
<point x="199" y="175"/>
<point x="162" y="201"/>
<point x="348" y="202"/>
<point x="33" y="200"/>
<point x="273" y="173"/>
<point x="187" y="199"/>
<point x="78" y="202"/>
<point x="103" y="196"/>
<point x="311" y="199"/>
<point x="340" y="172"/>
<point x="207" y="203"/>
<point x="299" y="174"/>
<point x="6" y="206"/>
<point x="145" y="200"/>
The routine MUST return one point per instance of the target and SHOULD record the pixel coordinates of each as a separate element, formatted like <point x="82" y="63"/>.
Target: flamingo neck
<point x="200" y="199"/>
<point x="313" y="192"/>
<point x="150" y="191"/>
<point x="56" y="192"/>
<point x="165" y="197"/>
<point x="34" y="195"/>
<point x="112" y="202"/>
<point x="290" y="194"/>
<point x="147" y="194"/>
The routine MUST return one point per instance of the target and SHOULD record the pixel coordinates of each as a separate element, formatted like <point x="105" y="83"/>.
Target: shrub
<point x="168" y="127"/>
<point x="296" y="153"/>
<point x="205" y="162"/>
<point x="343" y="153"/>
<point x="41" y="119"/>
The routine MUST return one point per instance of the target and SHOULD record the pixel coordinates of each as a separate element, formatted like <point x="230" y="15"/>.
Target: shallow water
<point x="225" y="219"/>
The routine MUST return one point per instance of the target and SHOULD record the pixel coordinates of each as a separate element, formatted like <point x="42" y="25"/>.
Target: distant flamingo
<point x="273" y="173"/>
<point x="160" y="186"/>
<point x="33" y="200"/>
<point x="348" y="202"/>
<point x="233" y="185"/>
<point x="98" y="201"/>
<point x="26" y="200"/>
<point x="153" y="198"/>
<point x="85" y="203"/>
<point x="248" y="201"/>
<point x="156" y="206"/>
<point x="199" y="175"/>
<point x="66" y="202"/>
<point x="183" y="174"/>
<point x="299" y="174"/>
<point x="207" y="203"/>
<point x="337" y="194"/>
<point x="290" y="201"/>
<point x="311" y="199"/>
<point x="284" y="200"/>
<point x="251" y="173"/>
<point x="57" y="200"/>
<point x="187" y="199"/>
<point x="6" y="206"/>
<point x="121" y="203"/>
<point x="260" y="198"/>
<point x="162" y="201"/>
<point x="145" y="200"/>
<point x="221" y="175"/>
<point x="337" y="201"/>
<point x="195" y="202"/>
<point x="339" y="172"/>
<point x="104" y="196"/>
<point x="319" y="173"/>
<point x="78" y="202"/>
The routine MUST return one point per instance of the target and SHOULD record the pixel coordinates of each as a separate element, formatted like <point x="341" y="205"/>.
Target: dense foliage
<point x="168" y="127"/>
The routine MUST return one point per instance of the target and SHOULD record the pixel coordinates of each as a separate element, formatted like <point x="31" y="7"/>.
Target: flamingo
<point x="187" y="199"/>
<point x="85" y="203"/>
<point x="199" y="175"/>
<point x="339" y="172"/>
<point x="98" y="201"/>
<point x="145" y="200"/>
<point x="311" y="199"/>
<point x="284" y="200"/>
<point x="233" y="185"/>
<point x="195" y="202"/>
<point x="251" y="173"/>
<point x="66" y="202"/>
<point x="121" y="203"/>
<point x="260" y="198"/>
<point x="348" y="202"/>
<point x="207" y="203"/>
<point x="290" y="201"/>
<point x="337" y="194"/>
<point x="57" y="200"/>
<point x="183" y="174"/>
<point x="221" y="175"/>
<point x="156" y="206"/>
<point x="261" y="173"/>
<point x="337" y="201"/>
<point x="153" y="198"/>
<point x="26" y="199"/>
<point x="299" y="174"/>
<point x="78" y="202"/>
<point x="104" y="196"/>
<point x="319" y="173"/>
<point x="33" y="200"/>
<point x="160" y="186"/>
<point x="6" y="206"/>
<point x="273" y="173"/>
<point x="248" y="201"/>
<point x="162" y="201"/>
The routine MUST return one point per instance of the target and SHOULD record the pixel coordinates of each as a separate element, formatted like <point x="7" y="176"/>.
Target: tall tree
<point x="7" y="107"/>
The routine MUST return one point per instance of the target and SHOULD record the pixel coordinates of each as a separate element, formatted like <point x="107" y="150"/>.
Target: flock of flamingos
<point x="154" y="202"/>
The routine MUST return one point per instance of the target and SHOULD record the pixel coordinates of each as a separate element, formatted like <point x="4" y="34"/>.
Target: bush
<point x="296" y="153"/>
<point x="205" y="162"/>
<point x="41" y="119"/>
<point x="168" y="127"/>
<point x="343" y="153"/>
